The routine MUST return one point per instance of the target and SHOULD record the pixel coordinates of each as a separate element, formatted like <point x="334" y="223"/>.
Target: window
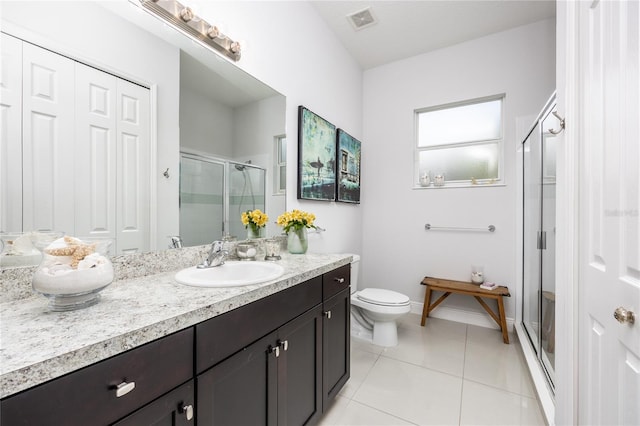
<point x="280" y="165"/>
<point x="462" y="141"/>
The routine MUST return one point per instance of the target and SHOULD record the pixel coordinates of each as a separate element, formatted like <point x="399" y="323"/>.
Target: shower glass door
<point x="201" y="200"/>
<point x="532" y="190"/>
<point x="539" y="230"/>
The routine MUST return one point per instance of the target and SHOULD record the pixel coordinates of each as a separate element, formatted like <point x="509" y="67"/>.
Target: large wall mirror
<point x="203" y="110"/>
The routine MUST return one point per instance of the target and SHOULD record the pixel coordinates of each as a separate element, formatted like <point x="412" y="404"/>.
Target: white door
<point x="48" y="134"/>
<point x="95" y="147"/>
<point x="133" y="182"/>
<point x="10" y="134"/>
<point x="609" y="266"/>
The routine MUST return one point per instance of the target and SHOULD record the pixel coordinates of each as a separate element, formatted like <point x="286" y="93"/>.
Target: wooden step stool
<point x="461" y="287"/>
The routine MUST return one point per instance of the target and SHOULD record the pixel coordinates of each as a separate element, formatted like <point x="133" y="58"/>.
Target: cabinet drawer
<point x="88" y="396"/>
<point x="224" y="335"/>
<point x="335" y="281"/>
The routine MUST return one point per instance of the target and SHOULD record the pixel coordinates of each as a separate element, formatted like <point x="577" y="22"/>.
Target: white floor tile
<point x="361" y="364"/>
<point x="415" y="394"/>
<point x="400" y="385"/>
<point x="491" y="362"/>
<point x="441" y="350"/>
<point x="356" y="414"/>
<point x="485" y="405"/>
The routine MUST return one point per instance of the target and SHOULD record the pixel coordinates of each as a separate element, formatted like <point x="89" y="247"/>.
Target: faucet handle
<point x="216" y="246"/>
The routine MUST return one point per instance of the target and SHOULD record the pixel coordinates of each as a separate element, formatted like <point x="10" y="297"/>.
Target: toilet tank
<point x="355" y="268"/>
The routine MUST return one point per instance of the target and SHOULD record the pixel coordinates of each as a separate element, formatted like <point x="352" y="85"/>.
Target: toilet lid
<point x="381" y="296"/>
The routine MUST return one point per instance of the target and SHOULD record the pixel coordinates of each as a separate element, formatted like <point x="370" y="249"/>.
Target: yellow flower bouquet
<point x="296" y="219"/>
<point x="295" y="224"/>
<point x="253" y="221"/>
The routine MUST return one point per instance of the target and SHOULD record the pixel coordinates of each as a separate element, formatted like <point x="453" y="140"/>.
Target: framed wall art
<point x="316" y="157"/>
<point x="348" y="170"/>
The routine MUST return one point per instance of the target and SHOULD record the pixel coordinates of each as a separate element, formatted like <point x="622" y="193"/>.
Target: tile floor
<point x="445" y="373"/>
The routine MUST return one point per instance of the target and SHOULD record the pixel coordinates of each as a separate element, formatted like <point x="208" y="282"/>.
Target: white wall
<point x="205" y="125"/>
<point x="519" y="63"/>
<point x="288" y="46"/>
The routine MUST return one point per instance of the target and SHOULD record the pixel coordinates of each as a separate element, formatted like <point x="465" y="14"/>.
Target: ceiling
<point x="408" y="28"/>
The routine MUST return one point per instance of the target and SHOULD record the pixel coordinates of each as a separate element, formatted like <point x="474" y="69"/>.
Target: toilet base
<point x="385" y="333"/>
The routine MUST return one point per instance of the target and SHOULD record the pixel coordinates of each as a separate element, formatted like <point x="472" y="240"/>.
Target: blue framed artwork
<point x="316" y="157"/>
<point x="348" y="171"/>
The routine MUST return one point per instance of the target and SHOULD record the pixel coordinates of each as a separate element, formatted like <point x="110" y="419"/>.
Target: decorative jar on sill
<point x="297" y="242"/>
<point x="73" y="272"/>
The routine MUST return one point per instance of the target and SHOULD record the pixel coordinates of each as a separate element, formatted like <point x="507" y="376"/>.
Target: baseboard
<point x="480" y="319"/>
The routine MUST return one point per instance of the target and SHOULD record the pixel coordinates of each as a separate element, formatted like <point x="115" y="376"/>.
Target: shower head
<point x="241" y="167"/>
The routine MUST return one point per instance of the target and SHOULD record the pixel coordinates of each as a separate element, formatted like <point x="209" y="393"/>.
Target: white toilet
<point x="374" y="311"/>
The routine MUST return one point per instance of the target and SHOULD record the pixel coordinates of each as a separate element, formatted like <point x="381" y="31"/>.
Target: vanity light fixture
<point x="186" y="21"/>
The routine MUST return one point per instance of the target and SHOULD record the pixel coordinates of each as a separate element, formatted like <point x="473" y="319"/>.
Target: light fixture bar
<point x="183" y="18"/>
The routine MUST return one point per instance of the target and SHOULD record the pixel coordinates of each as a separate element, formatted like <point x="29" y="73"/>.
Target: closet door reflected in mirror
<point x="539" y="232"/>
<point x="75" y="149"/>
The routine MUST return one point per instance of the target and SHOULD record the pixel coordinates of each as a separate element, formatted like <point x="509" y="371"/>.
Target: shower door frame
<point x="534" y="340"/>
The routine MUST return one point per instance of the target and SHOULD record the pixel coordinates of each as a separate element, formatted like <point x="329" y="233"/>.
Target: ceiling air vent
<point x="362" y="19"/>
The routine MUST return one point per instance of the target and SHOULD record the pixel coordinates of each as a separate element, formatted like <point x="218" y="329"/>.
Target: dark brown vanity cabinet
<point x="336" y="332"/>
<point x="274" y="381"/>
<point x="105" y="392"/>
<point x="277" y="380"/>
<point x="276" y="361"/>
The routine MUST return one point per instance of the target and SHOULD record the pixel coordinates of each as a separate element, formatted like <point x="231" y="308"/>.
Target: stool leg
<point x="503" y="321"/>
<point x="427" y="303"/>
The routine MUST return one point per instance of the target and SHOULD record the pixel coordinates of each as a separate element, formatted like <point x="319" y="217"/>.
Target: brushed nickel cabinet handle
<point x="124" y="388"/>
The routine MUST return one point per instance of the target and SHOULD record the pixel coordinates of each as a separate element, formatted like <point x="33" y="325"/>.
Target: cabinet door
<point x="242" y="390"/>
<point x="299" y="369"/>
<point x="173" y="409"/>
<point x="336" y="345"/>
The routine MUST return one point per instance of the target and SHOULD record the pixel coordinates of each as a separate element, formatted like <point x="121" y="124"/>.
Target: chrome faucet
<point x="216" y="256"/>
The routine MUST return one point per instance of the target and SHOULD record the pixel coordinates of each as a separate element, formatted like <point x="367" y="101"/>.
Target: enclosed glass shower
<point x="539" y="237"/>
<point x="213" y="194"/>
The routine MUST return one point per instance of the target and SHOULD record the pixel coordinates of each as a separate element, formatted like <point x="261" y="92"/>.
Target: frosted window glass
<point x="461" y="163"/>
<point x="464" y="123"/>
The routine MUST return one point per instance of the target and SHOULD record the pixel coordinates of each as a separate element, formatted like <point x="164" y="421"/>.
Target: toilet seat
<point x="382" y="297"/>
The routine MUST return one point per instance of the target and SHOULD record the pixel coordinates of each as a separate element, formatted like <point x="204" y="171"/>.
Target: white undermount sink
<point x="231" y="274"/>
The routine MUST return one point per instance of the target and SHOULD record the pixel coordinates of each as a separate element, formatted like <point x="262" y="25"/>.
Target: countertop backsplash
<point x="16" y="282"/>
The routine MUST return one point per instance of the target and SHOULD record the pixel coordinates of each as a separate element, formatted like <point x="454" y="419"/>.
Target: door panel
<point x="96" y="148"/>
<point x="10" y="134"/>
<point x="48" y="133"/>
<point x="609" y="353"/>
<point x="133" y="185"/>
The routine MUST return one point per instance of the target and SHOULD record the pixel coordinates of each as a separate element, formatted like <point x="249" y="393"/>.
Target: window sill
<point x="460" y="185"/>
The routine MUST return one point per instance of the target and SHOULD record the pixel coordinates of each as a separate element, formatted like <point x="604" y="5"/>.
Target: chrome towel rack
<point x="428" y="227"/>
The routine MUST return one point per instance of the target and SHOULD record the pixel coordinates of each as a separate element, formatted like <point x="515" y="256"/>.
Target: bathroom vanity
<point x="272" y="353"/>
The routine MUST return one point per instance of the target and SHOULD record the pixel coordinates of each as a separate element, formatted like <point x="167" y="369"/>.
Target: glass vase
<point x="253" y="232"/>
<point x="297" y="242"/>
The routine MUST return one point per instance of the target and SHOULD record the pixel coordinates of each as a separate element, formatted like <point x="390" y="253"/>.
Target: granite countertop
<point x="37" y="345"/>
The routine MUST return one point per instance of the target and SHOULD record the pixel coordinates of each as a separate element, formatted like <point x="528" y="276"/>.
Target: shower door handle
<point x="542" y="240"/>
